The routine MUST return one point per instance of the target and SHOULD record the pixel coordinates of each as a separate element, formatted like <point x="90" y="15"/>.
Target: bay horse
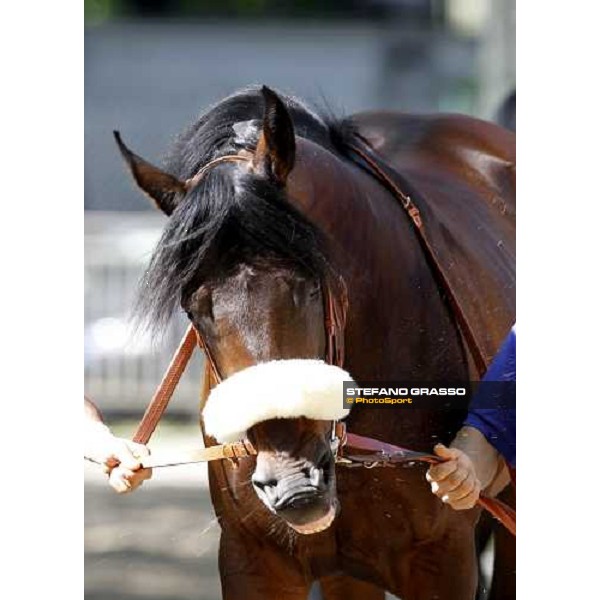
<point x="248" y="248"/>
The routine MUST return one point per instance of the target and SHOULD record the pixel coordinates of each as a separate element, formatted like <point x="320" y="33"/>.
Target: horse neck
<point x="398" y="325"/>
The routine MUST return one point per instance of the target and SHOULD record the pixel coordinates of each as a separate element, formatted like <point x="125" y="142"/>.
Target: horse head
<point x="250" y="271"/>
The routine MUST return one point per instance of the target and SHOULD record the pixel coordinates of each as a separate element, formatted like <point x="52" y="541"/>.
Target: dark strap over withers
<point x="379" y="170"/>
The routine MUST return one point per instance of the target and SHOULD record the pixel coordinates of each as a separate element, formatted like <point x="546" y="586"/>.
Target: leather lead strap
<point x="182" y="355"/>
<point x="167" y="386"/>
<point x="231" y="451"/>
<point x="383" y="454"/>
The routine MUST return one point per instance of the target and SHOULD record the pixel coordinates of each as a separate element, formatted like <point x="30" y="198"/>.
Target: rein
<point x="378" y="454"/>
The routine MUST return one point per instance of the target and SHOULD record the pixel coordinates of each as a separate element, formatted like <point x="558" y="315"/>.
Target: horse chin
<point x="318" y="525"/>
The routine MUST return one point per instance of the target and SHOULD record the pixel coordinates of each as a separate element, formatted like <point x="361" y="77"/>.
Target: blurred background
<point x="151" y="67"/>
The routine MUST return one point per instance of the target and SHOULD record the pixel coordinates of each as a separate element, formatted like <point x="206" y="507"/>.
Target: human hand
<point x="454" y="480"/>
<point x="120" y="458"/>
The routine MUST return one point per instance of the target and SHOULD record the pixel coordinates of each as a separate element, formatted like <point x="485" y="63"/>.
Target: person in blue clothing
<point x="485" y="446"/>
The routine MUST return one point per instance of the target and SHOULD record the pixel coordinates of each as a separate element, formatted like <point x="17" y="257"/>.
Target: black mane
<point x="231" y="218"/>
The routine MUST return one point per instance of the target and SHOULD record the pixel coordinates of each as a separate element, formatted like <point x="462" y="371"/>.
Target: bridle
<point x="372" y="452"/>
<point x="335" y="308"/>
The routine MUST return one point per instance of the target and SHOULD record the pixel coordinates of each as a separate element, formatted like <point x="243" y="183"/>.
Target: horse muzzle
<point x="298" y="491"/>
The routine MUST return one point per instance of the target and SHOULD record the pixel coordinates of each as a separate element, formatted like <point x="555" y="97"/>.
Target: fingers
<point x="127" y="454"/>
<point x="138" y="450"/>
<point x="441" y="471"/>
<point x="451" y="483"/>
<point x="127" y="474"/>
<point x="119" y="480"/>
<point x="109" y="463"/>
<point x="120" y="458"/>
<point x="446" y="453"/>
<point x="124" y="480"/>
<point x="467" y="501"/>
<point x="124" y="452"/>
<point x="140" y="476"/>
<point x="465" y="488"/>
<point x="454" y="481"/>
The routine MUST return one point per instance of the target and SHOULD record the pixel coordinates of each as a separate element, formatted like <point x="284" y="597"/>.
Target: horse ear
<point x="276" y="148"/>
<point x="164" y="189"/>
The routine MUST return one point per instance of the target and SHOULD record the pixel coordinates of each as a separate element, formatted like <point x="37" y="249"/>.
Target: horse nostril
<point x="319" y="475"/>
<point x="262" y="485"/>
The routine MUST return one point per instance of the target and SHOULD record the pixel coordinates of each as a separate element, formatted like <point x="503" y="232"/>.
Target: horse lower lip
<point x="306" y="498"/>
<point x="321" y="524"/>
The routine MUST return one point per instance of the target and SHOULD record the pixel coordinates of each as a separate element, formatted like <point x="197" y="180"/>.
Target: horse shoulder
<point x="461" y="173"/>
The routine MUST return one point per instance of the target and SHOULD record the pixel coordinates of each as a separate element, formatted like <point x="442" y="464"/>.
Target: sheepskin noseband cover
<point x="279" y="389"/>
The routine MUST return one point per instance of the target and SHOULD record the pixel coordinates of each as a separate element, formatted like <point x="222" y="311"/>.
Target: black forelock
<point x="230" y="218"/>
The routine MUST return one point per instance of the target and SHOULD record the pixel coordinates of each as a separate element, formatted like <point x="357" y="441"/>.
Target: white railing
<point x="122" y="368"/>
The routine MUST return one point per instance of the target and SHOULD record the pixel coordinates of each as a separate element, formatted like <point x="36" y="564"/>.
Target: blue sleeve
<point x="492" y="410"/>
